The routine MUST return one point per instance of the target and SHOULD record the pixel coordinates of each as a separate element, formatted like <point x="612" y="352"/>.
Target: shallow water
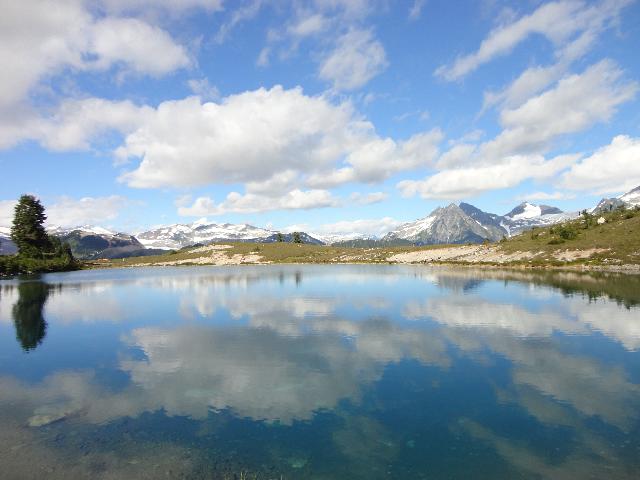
<point x="319" y="372"/>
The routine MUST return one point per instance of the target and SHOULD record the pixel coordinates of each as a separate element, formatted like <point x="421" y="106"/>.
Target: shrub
<point x="567" y="233"/>
<point x="588" y="219"/>
<point x="556" y="241"/>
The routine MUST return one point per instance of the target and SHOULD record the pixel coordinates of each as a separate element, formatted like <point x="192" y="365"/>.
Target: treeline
<point x="37" y="251"/>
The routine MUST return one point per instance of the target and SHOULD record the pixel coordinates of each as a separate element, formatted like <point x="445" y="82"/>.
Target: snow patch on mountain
<point x="632" y="197"/>
<point x="87" y="229"/>
<point x="529" y="211"/>
<point x="528" y="215"/>
<point x="332" y="238"/>
<point x="409" y="231"/>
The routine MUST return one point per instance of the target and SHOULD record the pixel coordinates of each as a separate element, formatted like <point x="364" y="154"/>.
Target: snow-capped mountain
<point x="528" y="215"/>
<point x="449" y="224"/>
<point x="632" y="197"/>
<point x="608" y="204"/>
<point x="7" y="247"/>
<point x="528" y="210"/>
<point x="626" y="200"/>
<point x="182" y="235"/>
<point x="330" y="239"/>
<point x="88" y="242"/>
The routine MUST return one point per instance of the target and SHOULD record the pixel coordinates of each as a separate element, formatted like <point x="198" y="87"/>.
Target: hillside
<point x="616" y="241"/>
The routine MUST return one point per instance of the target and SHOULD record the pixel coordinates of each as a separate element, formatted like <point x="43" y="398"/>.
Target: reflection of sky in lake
<point x="322" y="372"/>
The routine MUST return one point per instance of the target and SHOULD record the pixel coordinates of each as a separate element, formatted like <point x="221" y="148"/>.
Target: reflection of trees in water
<point x="623" y="288"/>
<point x="30" y="324"/>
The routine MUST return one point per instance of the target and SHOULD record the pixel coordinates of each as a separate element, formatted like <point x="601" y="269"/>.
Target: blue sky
<point x="325" y="115"/>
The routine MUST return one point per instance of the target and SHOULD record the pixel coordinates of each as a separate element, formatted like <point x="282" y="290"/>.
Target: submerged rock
<point x="297" y="462"/>
<point x="45" y="419"/>
<point x="47" y="416"/>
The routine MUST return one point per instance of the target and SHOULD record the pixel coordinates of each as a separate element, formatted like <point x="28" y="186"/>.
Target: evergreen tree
<point x="297" y="238"/>
<point x="28" y="231"/>
<point x="28" y="318"/>
<point x="280" y="237"/>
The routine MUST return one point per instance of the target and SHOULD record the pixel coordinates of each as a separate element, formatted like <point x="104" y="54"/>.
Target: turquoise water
<point x="319" y="372"/>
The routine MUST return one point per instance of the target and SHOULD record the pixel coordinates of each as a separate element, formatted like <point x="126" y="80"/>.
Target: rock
<point x="601" y="220"/>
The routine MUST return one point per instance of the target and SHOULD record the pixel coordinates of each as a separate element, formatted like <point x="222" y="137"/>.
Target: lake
<point x="320" y="372"/>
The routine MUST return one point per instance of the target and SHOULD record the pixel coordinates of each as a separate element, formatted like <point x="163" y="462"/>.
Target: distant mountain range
<point x="7" y="247"/>
<point x="465" y="223"/>
<point x="182" y="235"/>
<point x="462" y="223"/>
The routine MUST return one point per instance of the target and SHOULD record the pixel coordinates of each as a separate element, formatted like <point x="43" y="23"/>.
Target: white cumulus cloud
<point x="6" y="212"/>
<point x="271" y="140"/>
<point x="141" y="47"/>
<point x="612" y="168"/>
<point x="69" y="212"/>
<point x="44" y="40"/>
<point x="460" y="183"/>
<point x="40" y="38"/>
<point x="255" y="203"/>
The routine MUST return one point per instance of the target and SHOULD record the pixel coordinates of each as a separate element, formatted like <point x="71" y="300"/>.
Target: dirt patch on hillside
<point x="485" y="254"/>
<point x="216" y="256"/>
<point x="571" y="255"/>
<point x="465" y="253"/>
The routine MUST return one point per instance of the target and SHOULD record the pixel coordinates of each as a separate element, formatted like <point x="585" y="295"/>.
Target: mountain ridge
<point x="450" y="224"/>
<point x="454" y="223"/>
<point x="181" y="235"/>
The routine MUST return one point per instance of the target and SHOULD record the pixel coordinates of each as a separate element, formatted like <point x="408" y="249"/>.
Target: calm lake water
<point x="320" y="372"/>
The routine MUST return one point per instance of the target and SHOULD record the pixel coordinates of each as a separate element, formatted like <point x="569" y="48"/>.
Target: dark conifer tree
<point x="28" y="231"/>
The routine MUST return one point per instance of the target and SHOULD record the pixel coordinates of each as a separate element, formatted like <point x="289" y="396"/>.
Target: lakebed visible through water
<point x="320" y="372"/>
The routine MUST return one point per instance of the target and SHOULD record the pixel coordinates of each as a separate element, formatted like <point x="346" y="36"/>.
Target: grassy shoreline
<point x="346" y="256"/>
<point x="609" y="242"/>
